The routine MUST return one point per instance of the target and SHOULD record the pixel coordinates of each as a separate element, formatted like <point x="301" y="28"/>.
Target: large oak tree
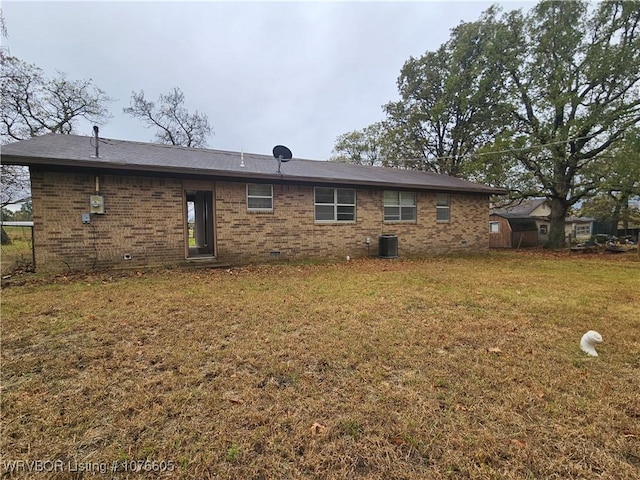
<point x="571" y="73"/>
<point x="449" y="103"/>
<point x="536" y="101"/>
<point x="449" y="100"/>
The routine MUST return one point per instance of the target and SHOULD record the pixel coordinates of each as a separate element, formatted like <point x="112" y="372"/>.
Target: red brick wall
<point x="290" y="229"/>
<point x="145" y="219"/>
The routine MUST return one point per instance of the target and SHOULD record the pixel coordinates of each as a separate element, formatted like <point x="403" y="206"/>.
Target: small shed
<point x="512" y="231"/>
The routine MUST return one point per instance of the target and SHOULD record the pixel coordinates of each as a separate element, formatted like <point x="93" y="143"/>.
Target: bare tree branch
<point x="33" y="105"/>
<point x="174" y="124"/>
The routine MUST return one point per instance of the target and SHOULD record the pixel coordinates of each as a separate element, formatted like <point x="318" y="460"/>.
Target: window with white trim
<point x="399" y="206"/>
<point x="335" y="204"/>
<point x="443" y="207"/>
<point x="494" y="227"/>
<point x="583" y="230"/>
<point x="259" y="197"/>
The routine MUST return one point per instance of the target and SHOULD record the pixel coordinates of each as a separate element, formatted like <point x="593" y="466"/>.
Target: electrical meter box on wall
<point x="97" y="204"/>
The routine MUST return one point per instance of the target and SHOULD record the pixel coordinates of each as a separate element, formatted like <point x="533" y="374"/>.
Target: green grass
<point x="18" y="254"/>
<point x="451" y="367"/>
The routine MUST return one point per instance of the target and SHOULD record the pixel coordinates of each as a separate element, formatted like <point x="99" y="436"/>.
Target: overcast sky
<point x="265" y="73"/>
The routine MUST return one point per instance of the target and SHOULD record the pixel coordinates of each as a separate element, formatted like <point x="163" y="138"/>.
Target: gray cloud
<point x="295" y="73"/>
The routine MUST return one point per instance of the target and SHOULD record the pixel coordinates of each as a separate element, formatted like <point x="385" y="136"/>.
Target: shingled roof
<point x="120" y="155"/>
<point x="522" y="208"/>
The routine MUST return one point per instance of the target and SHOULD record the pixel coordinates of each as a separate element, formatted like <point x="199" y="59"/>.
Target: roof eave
<point x="98" y="164"/>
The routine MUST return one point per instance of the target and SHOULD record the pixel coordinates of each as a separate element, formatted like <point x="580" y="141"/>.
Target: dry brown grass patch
<point x="438" y="368"/>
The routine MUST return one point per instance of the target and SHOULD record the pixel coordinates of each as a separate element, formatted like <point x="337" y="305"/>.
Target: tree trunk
<point x="556" y="228"/>
<point x="625" y="214"/>
<point x="615" y="216"/>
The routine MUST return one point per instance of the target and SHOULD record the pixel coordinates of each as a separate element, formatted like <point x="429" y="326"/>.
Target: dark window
<point x="399" y="206"/>
<point x="259" y="196"/>
<point x="443" y="207"/>
<point x="335" y="204"/>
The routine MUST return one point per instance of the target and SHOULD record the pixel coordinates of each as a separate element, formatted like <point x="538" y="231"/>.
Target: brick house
<point x="127" y="204"/>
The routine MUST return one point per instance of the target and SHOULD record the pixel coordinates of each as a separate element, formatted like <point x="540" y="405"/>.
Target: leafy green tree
<point x="600" y="207"/>
<point x="450" y="103"/>
<point x="363" y="147"/>
<point x="448" y="107"/>
<point x="534" y="101"/>
<point x="6" y="215"/>
<point x="25" y="213"/>
<point x="619" y="177"/>
<point x="570" y="75"/>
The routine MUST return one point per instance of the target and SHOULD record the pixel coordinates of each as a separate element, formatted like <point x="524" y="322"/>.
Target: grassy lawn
<point x="16" y="255"/>
<point x="451" y="367"/>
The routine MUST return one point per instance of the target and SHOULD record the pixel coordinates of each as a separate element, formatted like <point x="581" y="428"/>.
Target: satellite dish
<point x="282" y="153"/>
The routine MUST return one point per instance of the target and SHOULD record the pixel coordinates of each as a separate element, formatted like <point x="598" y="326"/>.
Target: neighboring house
<point x="538" y="209"/>
<point x="128" y="204"/>
<point x="531" y="215"/>
<point x="578" y="228"/>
